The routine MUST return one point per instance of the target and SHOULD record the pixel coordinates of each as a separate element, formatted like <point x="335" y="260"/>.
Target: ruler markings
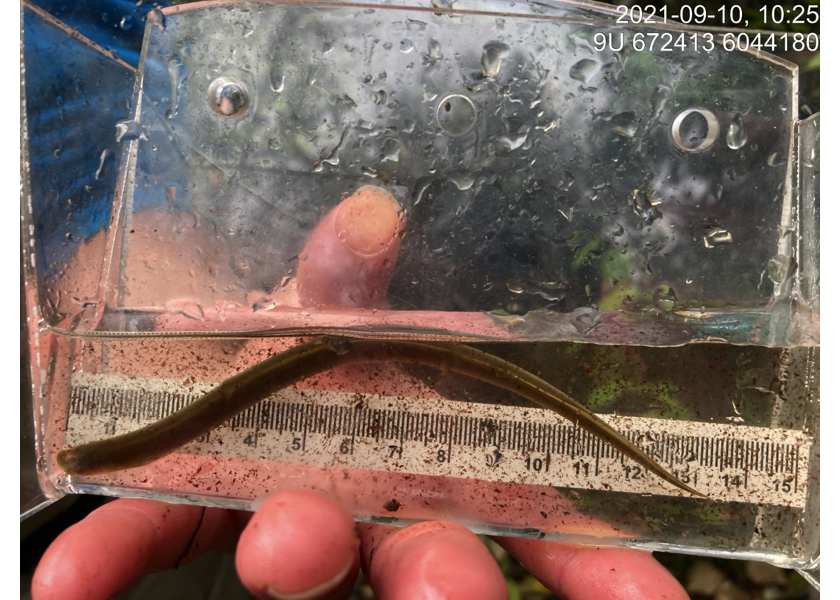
<point x="443" y="424"/>
<point x="596" y="449"/>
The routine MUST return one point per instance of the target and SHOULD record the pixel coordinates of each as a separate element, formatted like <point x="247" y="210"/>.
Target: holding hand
<point x="302" y="545"/>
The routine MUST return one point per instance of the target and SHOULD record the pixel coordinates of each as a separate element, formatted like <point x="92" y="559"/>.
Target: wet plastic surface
<point x="549" y="191"/>
<point x="554" y="186"/>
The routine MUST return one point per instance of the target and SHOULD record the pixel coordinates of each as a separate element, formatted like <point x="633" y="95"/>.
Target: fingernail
<point x="319" y="590"/>
<point x="368" y="221"/>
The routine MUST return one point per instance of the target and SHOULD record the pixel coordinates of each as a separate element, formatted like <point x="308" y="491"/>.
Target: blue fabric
<point x="74" y="97"/>
<point x="113" y="24"/>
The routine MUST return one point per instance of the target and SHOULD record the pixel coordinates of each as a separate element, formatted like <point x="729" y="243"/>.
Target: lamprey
<point x="245" y="389"/>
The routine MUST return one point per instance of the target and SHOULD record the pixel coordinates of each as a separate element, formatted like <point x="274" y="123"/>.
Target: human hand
<point x="300" y="544"/>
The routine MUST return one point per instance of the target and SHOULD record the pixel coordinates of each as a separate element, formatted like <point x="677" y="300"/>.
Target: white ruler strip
<point x="456" y="439"/>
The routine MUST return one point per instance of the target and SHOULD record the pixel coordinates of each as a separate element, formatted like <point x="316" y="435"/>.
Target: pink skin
<point x="350" y="257"/>
<point x="434" y="559"/>
<point x="302" y="545"/>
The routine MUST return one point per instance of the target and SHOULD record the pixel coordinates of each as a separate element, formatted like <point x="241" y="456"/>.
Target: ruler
<point x="424" y="436"/>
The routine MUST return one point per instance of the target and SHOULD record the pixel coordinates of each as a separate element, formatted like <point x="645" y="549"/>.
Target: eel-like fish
<point x="245" y="389"/>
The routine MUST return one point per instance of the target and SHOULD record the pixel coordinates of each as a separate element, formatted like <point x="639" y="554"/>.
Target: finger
<point x="583" y="572"/>
<point x="350" y="257"/>
<point x="113" y="546"/>
<point x="434" y="559"/>
<point x="299" y="545"/>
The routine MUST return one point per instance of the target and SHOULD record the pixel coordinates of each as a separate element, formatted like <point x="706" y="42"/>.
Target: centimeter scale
<point x="425" y="436"/>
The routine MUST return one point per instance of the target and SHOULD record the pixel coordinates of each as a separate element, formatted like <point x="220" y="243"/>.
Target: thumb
<point x="350" y="257"/>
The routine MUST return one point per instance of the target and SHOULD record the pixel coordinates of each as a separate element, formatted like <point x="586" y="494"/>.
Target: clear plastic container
<point x="639" y="224"/>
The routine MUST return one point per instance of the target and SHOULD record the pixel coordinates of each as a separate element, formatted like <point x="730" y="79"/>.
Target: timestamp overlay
<point x="728" y="26"/>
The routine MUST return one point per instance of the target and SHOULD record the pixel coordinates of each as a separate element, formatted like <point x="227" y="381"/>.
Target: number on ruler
<point x="686" y="477"/>
<point x="537" y="464"/>
<point x="633" y="472"/>
<point x="783" y="484"/>
<point x="734" y="481"/>
<point x="581" y="466"/>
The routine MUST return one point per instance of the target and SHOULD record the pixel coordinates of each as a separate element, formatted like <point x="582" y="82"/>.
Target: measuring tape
<point x="490" y="442"/>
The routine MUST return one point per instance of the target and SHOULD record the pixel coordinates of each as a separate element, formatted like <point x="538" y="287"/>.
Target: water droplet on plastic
<point x="102" y="158"/>
<point x="188" y="307"/>
<point x="273" y="144"/>
<point x="435" y="52"/>
<point x="810" y="159"/>
<point x="259" y="300"/>
<point x="775" y="160"/>
<point x="716" y="236"/>
<point x="584" y="70"/>
<point x="381" y="97"/>
<point x="585" y="319"/>
<point x="492" y="56"/>
<point x="221" y="308"/>
<point x="644" y="208"/>
<point x="624" y="124"/>
<point x="177" y="76"/>
<point x="780" y="268"/>
<point x="515" y="287"/>
<point x="618" y="230"/>
<point x="277" y="81"/>
<point x="658" y="99"/>
<point x="129" y="130"/>
<point x="549" y="124"/>
<point x="406" y="46"/>
<point x="516" y="134"/>
<point x="104" y="17"/>
<point x="553" y="291"/>
<point x="391" y="150"/>
<point x="463" y="180"/>
<point x="736" y="134"/>
<point x="416" y="25"/>
<point x="248" y="29"/>
<point x="665" y="298"/>
<point x="125" y="23"/>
